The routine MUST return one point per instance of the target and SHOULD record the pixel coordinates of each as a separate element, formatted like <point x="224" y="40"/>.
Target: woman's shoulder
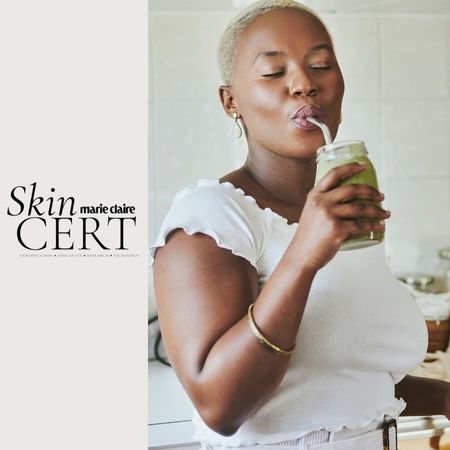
<point x="213" y="199"/>
<point x="211" y="191"/>
<point x="221" y="211"/>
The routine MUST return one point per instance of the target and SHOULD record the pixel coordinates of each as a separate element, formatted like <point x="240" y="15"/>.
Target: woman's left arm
<point x="424" y="396"/>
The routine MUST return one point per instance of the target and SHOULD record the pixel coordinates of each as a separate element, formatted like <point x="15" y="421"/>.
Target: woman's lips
<point x="308" y="110"/>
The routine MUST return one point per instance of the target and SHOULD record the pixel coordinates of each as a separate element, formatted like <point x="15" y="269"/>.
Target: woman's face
<point x="285" y="61"/>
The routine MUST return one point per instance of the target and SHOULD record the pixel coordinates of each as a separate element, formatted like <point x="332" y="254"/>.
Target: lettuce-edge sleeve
<point x="216" y="210"/>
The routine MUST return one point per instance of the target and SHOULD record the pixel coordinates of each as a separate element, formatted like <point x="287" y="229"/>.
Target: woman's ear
<point x="227" y="99"/>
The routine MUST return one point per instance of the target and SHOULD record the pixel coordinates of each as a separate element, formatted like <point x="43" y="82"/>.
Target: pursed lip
<point x="307" y="110"/>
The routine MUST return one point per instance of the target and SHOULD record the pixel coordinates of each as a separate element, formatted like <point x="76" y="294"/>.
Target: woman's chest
<point x="357" y="313"/>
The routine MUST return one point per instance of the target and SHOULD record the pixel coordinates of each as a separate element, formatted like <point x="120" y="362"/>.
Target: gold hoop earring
<point x="237" y="130"/>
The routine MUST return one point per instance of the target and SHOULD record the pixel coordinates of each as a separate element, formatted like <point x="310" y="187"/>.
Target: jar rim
<point x="335" y="145"/>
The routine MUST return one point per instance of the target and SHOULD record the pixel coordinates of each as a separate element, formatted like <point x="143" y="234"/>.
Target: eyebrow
<point x="319" y="47"/>
<point x="269" y="53"/>
<point x="315" y="49"/>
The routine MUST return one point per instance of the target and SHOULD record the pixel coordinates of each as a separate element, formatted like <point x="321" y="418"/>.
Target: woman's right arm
<point x="203" y="293"/>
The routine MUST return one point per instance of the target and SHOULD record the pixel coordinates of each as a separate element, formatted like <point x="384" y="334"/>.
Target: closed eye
<point x="324" y="68"/>
<point x="274" y="75"/>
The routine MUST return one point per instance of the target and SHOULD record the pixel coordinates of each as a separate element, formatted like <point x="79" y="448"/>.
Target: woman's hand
<point x="424" y="396"/>
<point x="331" y="215"/>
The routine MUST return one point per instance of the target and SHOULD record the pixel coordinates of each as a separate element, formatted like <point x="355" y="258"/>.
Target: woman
<point x="276" y="336"/>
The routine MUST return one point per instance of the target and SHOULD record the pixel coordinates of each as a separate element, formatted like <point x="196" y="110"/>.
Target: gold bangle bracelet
<point x="262" y="339"/>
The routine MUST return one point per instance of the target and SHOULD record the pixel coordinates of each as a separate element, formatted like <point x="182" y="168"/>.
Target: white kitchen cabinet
<point x="169" y="410"/>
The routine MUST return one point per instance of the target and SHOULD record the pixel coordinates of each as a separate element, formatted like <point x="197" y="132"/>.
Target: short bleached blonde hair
<point x="226" y="54"/>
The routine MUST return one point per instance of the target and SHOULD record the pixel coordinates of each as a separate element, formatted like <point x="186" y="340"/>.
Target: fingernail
<point x="388" y="213"/>
<point x="362" y="163"/>
<point x="381" y="222"/>
<point x="381" y="195"/>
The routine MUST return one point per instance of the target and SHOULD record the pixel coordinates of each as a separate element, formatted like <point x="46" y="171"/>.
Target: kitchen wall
<point x="397" y="72"/>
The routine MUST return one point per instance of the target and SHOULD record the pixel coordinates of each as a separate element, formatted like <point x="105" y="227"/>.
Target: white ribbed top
<point x="360" y="334"/>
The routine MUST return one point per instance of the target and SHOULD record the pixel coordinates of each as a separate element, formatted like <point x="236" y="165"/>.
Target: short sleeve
<point x="222" y="213"/>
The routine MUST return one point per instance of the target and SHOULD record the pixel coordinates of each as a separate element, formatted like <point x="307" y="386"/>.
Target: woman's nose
<point x="302" y="85"/>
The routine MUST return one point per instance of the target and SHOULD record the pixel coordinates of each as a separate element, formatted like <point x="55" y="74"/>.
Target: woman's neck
<point x="286" y="180"/>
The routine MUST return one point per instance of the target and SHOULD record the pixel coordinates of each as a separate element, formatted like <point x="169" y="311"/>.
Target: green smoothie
<point x="346" y="152"/>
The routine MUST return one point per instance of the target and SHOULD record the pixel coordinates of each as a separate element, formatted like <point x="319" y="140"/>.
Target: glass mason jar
<point x="344" y="152"/>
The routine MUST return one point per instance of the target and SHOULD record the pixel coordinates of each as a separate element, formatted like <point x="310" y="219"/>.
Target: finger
<point x="355" y="210"/>
<point x="355" y="227"/>
<point x="335" y="176"/>
<point x="351" y="192"/>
